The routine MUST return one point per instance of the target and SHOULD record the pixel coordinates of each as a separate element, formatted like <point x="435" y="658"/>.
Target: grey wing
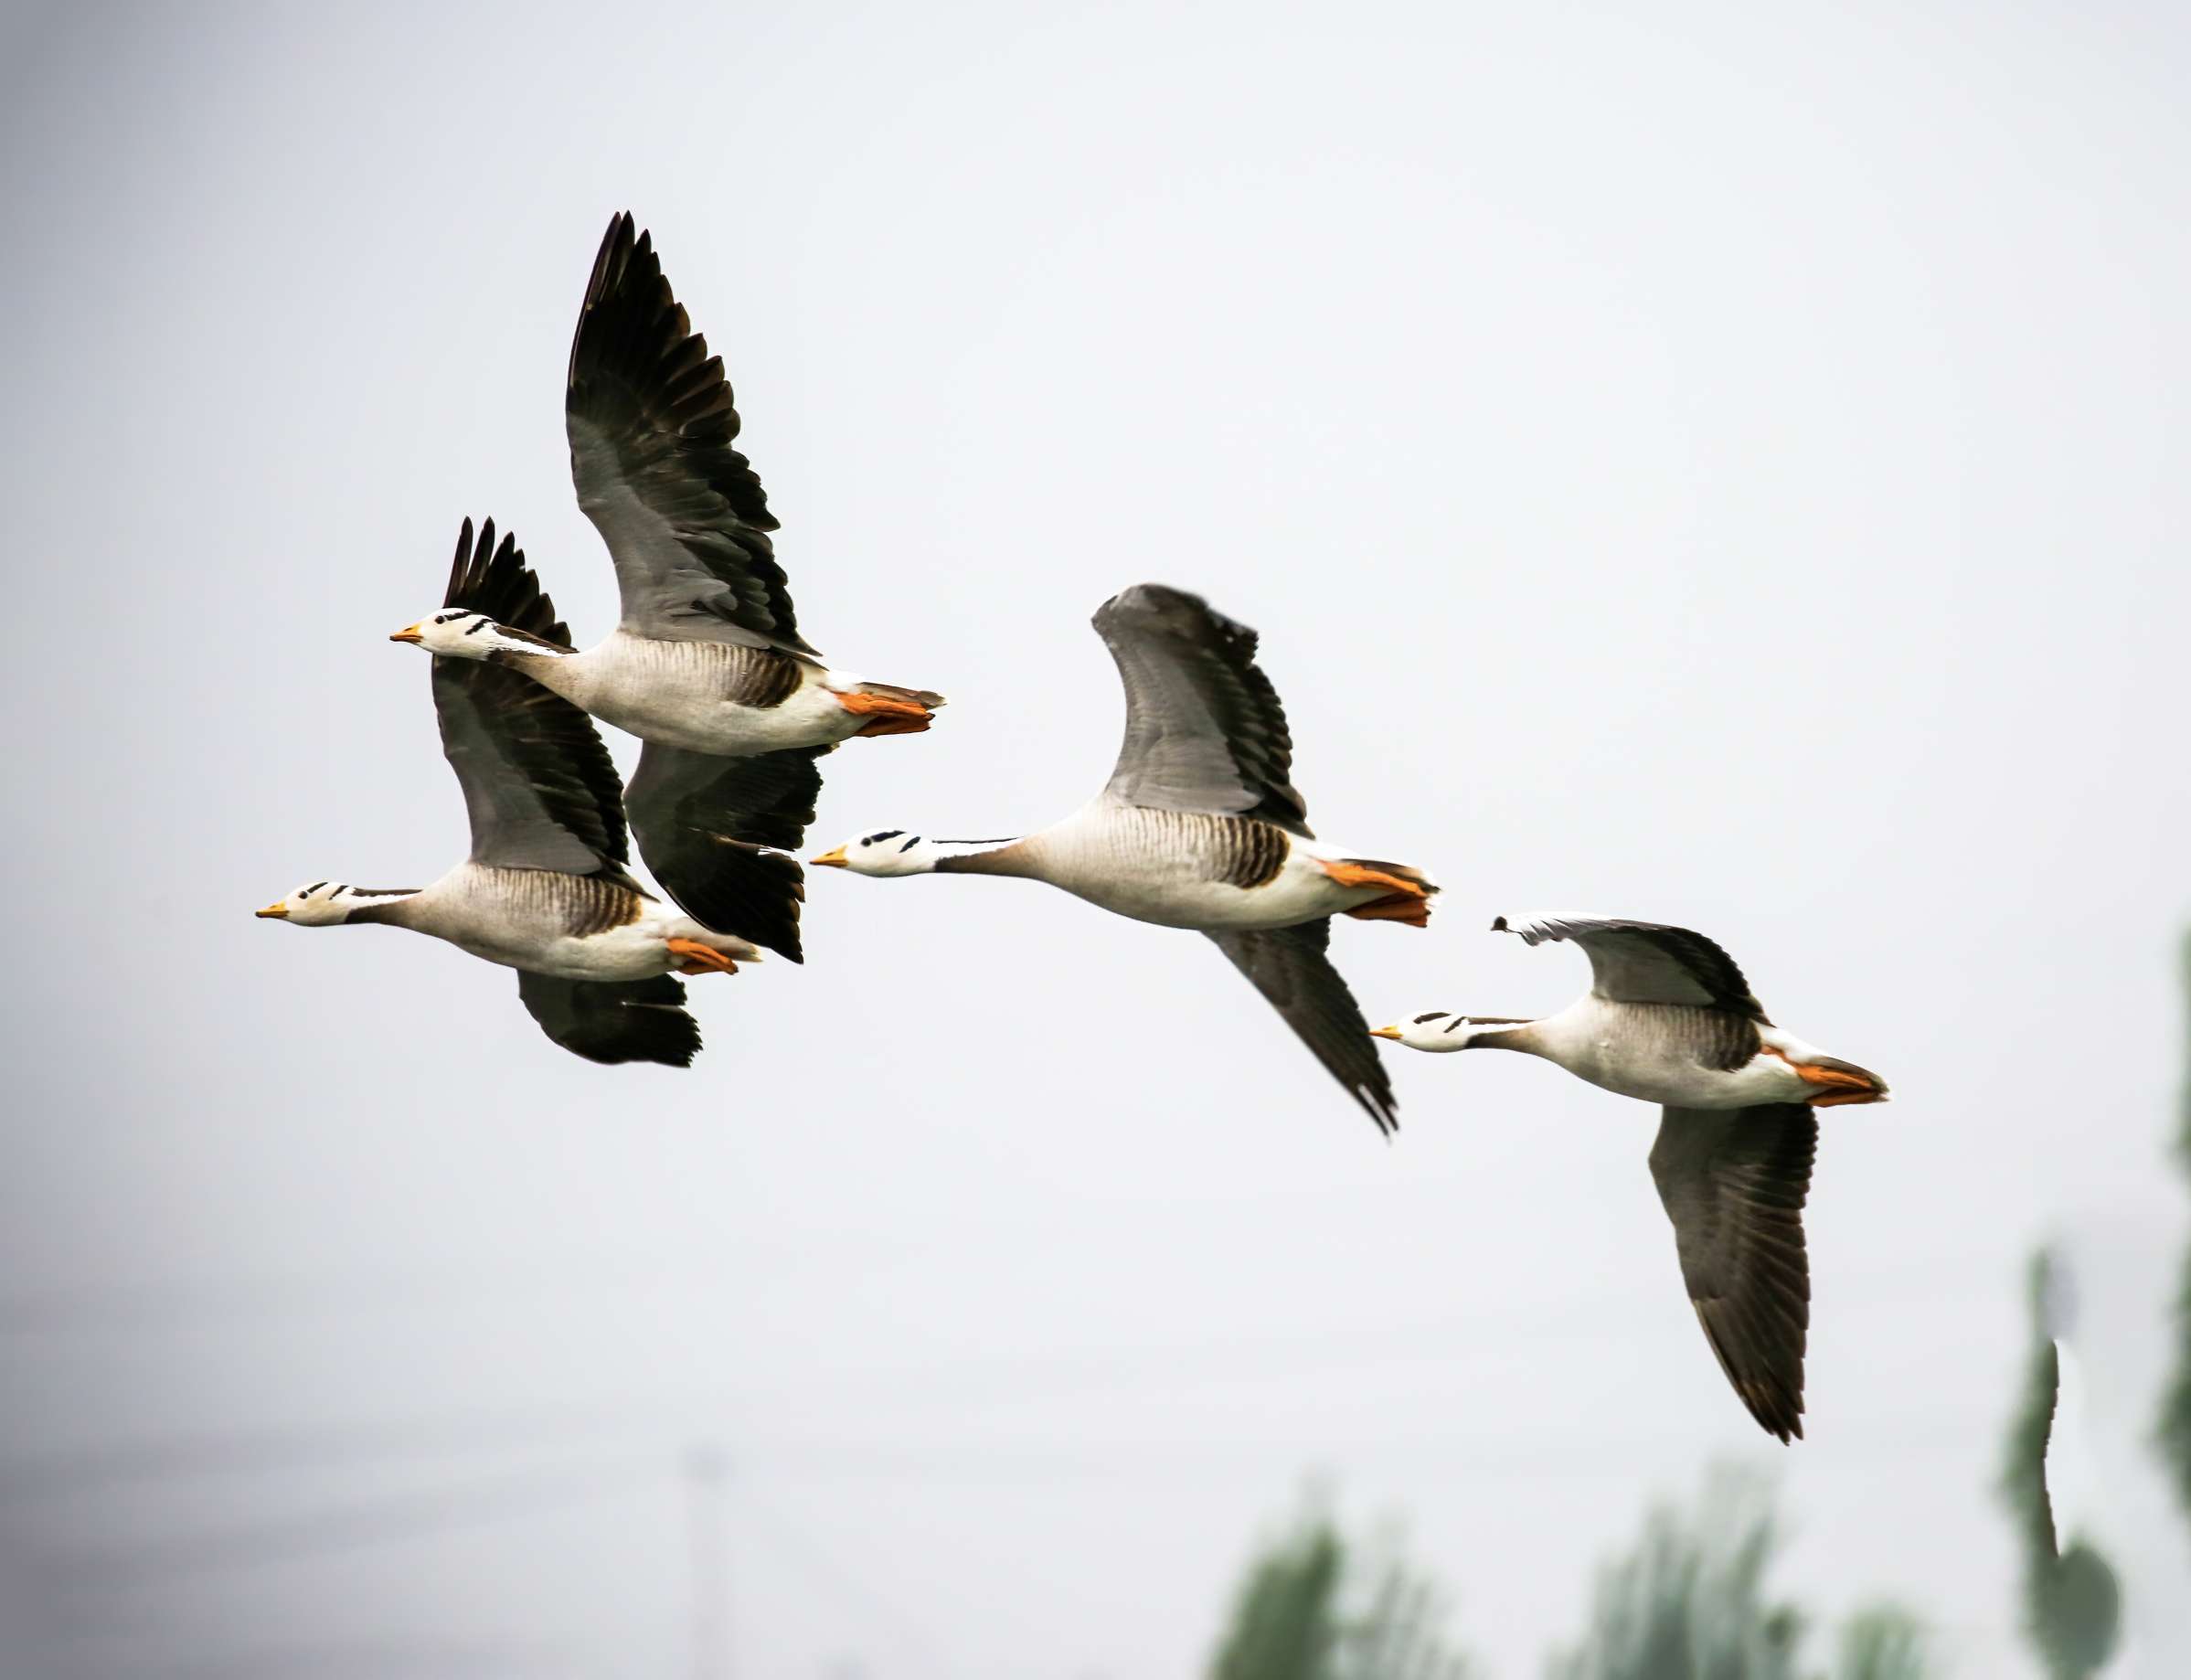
<point x="1205" y="730"/>
<point x="539" y="787"/>
<point x="1734" y="1182"/>
<point x="614" y="1020"/>
<point x="705" y="825"/>
<point x="1289" y="967"/>
<point x="1646" y="962"/>
<point x="652" y="424"/>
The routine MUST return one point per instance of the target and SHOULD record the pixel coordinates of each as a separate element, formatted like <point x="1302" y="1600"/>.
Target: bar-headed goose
<point x="707" y="663"/>
<point x="1670" y="1019"/>
<point x="1199" y="827"/>
<point x="545" y="890"/>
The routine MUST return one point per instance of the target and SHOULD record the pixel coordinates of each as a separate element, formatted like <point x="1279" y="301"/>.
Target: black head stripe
<point x="888" y="833"/>
<point x="909" y="845"/>
<point x="477" y="625"/>
<point x="1431" y="1015"/>
<point x="311" y="890"/>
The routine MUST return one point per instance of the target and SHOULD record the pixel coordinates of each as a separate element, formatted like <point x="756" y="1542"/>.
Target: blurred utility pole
<point x="706" y="1474"/>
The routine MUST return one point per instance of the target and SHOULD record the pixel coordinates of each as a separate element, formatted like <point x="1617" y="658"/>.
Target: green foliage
<point x="1883" y="1641"/>
<point x="2175" y="1431"/>
<point x="2072" y="1603"/>
<point x="1297" y="1615"/>
<point x="1285" y="1625"/>
<point x="1688" y="1602"/>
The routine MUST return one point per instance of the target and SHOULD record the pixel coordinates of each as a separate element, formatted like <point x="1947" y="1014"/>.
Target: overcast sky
<point x="1685" y="462"/>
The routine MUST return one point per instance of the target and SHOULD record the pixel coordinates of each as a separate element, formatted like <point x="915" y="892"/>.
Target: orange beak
<point x="277" y="908"/>
<point x="408" y="635"/>
<point x="832" y="860"/>
<point x="1392" y="1033"/>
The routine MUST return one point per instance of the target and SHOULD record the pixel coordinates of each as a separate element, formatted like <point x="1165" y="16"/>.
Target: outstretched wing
<point x="1289" y="967"/>
<point x="1646" y="962"/>
<point x="704" y="827"/>
<point x="1734" y="1182"/>
<point x="539" y="787"/>
<point x="652" y="424"/>
<point x="614" y="1020"/>
<point x="1205" y="730"/>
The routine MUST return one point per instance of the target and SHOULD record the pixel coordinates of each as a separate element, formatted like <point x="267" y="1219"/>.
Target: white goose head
<point x="887" y="851"/>
<point x="324" y="904"/>
<point x="454" y="632"/>
<point x="1441" y="1030"/>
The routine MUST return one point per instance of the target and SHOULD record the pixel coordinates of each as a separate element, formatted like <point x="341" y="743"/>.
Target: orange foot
<point x="700" y="959"/>
<point x="1409" y="910"/>
<point x="1836" y="1087"/>
<point x="886" y="715"/>
<point x="1403" y="900"/>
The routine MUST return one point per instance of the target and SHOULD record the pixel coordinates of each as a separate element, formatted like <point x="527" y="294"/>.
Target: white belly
<point x="674" y="693"/>
<point x="484" y="925"/>
<point x="703" y="723"/>
<point x="1114" y="868"/>
<point x="1766" y="1078"/>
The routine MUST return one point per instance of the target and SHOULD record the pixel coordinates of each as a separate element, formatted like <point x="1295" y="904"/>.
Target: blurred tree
<point x="1882" y="1643"/>
<point x="1688" y="1601"/>
<point x="1310" y="1609"/>
<point x="2176" y="1402"/>
<point x="2072" y="1604"/>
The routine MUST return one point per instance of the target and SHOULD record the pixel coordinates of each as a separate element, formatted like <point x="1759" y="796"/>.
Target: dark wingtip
<point x="1498" y="925"/>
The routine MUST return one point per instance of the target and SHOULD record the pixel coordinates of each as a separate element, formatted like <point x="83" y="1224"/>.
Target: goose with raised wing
<point x="1200" y="827"/>
<point x="707" y="664"/>
<point x="546" y="889"/>
<point x="1670" y="1019"/>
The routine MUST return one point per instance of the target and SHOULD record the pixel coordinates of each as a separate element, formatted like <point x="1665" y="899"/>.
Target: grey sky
<point x="1685" y="462"/>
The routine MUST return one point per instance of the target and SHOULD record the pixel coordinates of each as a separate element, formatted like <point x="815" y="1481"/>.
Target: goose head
<point x="886" y="852"/>
<point x="321" y="905"/>
<point x="1439" y="1030"/>
<point x="455" y="632"/>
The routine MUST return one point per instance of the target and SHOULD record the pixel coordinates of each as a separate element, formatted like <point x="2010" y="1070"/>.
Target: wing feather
<point x="1289" y="966"/>
<point x="1734" y="1182"/>
<point x="1204" y="729"/>
<point x="539" y="787"/>
<point x="1646" y="962"/>
<point x="614" y="1021"/>
<point x="714" y="831"/>
<point x="651" y="425"/>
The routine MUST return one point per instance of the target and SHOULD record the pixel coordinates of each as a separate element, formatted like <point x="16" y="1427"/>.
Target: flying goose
<point x="1199" y="827"/>
<point x="1670" y="1019"/>
<point x="545" y="890"/>
<point x="707" y="663"/>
